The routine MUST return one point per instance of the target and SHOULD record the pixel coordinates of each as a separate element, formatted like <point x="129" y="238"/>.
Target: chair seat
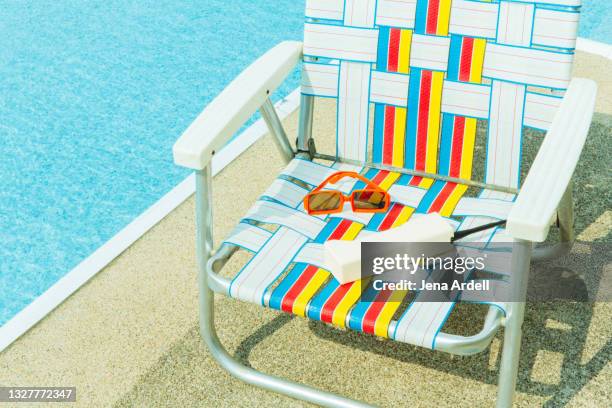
<point x="287" y="270"/>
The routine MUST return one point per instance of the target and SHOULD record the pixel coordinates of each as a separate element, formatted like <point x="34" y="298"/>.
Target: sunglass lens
<point x="324" y="201"/>
<point x="369" y="200"/>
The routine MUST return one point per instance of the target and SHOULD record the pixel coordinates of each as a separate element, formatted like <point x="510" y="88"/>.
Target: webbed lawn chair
<point x="427" y="70"/>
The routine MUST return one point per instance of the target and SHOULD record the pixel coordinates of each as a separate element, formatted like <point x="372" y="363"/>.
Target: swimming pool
<point x="92" y="97"/>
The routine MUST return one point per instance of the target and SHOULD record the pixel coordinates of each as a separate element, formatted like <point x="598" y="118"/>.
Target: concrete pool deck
<point x="129" y="336"/>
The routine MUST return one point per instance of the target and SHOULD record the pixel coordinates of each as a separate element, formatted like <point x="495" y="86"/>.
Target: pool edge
<point x="594" y="47"/>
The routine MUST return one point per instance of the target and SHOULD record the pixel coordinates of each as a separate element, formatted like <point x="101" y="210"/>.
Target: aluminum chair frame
<point x="211" y="130"/>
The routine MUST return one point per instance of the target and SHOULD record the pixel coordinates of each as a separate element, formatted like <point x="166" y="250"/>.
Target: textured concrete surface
<point x="129" y="337"/>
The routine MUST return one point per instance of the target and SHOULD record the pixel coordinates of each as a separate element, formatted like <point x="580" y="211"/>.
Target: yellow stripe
<point x="320" y="277"/>
<point x="381" y="326"/>
<point x="352" y="231"/>
<point x="389" y="180"/>
<point x="426" y="183"/>
<point x="433" y="126"/>
<point x="349" y="299"/>
<point x="399" y="137"/>
<point x="477" y="60"/>
<point x="444" y="10"/>
<point x="301" y="301"/>
<point x="403" y="63"/>
<point x="469" y="137"/>
<point x="403" y="216"/>
<point x="452" y="200"/>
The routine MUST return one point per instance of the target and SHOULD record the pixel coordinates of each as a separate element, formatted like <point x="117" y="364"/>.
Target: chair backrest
<point x="429" y="69"/>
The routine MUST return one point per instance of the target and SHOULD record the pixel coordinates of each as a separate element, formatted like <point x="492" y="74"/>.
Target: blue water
<point x="595" y="20"/>
<point x="92" y="97"/>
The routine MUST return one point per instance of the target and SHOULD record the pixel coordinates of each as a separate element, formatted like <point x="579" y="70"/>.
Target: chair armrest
<point x="214" y="127"/>
<point x="554" y="165"/>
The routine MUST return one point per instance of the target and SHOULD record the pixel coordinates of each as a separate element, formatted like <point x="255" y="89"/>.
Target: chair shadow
<point x="247" y="345"/>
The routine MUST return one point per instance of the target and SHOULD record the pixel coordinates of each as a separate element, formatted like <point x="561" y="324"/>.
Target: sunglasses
<point x="372" y="198"/>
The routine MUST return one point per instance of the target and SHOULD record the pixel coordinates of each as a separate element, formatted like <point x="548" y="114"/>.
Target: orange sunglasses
<point x="370" y="199"/>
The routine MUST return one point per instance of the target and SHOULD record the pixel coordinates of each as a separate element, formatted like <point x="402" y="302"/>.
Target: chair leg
<point x="207" y="322"/>
<point x="508" y="371"/>
<point x="509" y="363"/>
<point x="565" y="217"/>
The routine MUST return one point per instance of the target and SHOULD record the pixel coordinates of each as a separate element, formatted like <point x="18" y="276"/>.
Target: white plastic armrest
<point x="554" y="164"/>
<point x="213" y="128"/>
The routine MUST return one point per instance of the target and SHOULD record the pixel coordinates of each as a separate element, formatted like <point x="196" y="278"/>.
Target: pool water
<point x="93" y="96"/>
<point x="595" y="20"/>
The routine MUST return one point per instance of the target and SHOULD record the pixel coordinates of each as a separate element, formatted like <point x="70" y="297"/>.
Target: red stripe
<point x="369" y="319"/>
<point x="443" y="195"/>
<point x="415" y="180"/>
<point x="327" y="313"/>
<point x="394" y="41"/>
<point x="392" y="215"/>
<point x="340" y="230"/>
<point x="465" y="65"/>
<point x="296" y="289"/>
<point x="423" y="120"/>
<point x="457" y="149"/>
<point x="389" y="133"/>
<point x="380" y="176"/>
<point x="309" y="272"/>
<point x="432" y="16"/>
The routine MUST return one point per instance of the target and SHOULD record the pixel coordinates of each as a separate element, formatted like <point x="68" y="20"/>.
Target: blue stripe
<point x="356" y="315"/>
<point x="421" y="16"/>
<point x="379" y="130"/>
<point x="454" y="57"/>
<point x="370" y="174"/>
<point x="281" y="290"/>
<point x="448" y="124"/>
<point x="317" y="303"/>
<point x="520" y="155"/>
<point x="430" y="196"/>
<point x="383" y="49"/>
<point x="403" y="180"/>
<point x="414" y="92"/>
<point x="375" y="221"/>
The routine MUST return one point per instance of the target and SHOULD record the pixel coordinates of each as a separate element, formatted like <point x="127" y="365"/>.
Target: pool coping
<point x="594" y="47"/>
<point x="105" y="254"/>
<point x="111" y="249"/>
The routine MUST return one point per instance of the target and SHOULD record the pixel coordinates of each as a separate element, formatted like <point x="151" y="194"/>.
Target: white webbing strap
<point x="422" y="321"/>
<point x="262" y="270"/>
<point x="313" y="254"/>
<point x="393" y="13"/>
<point x="497" y="259"/>
<point x="475" y="206"/>
<point x="354" y="82"/>
<point x="353" y="110"/>
<point x="269" y="212"/>
<point x="505" y="134"/>
<point x="477" y="239"/>
<point x="248" y="236"/>
<point x="497" y="294"/>
<point x="314" y="173"/>
<point x="286" y="192"/>
<point x="407" y="195"/>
